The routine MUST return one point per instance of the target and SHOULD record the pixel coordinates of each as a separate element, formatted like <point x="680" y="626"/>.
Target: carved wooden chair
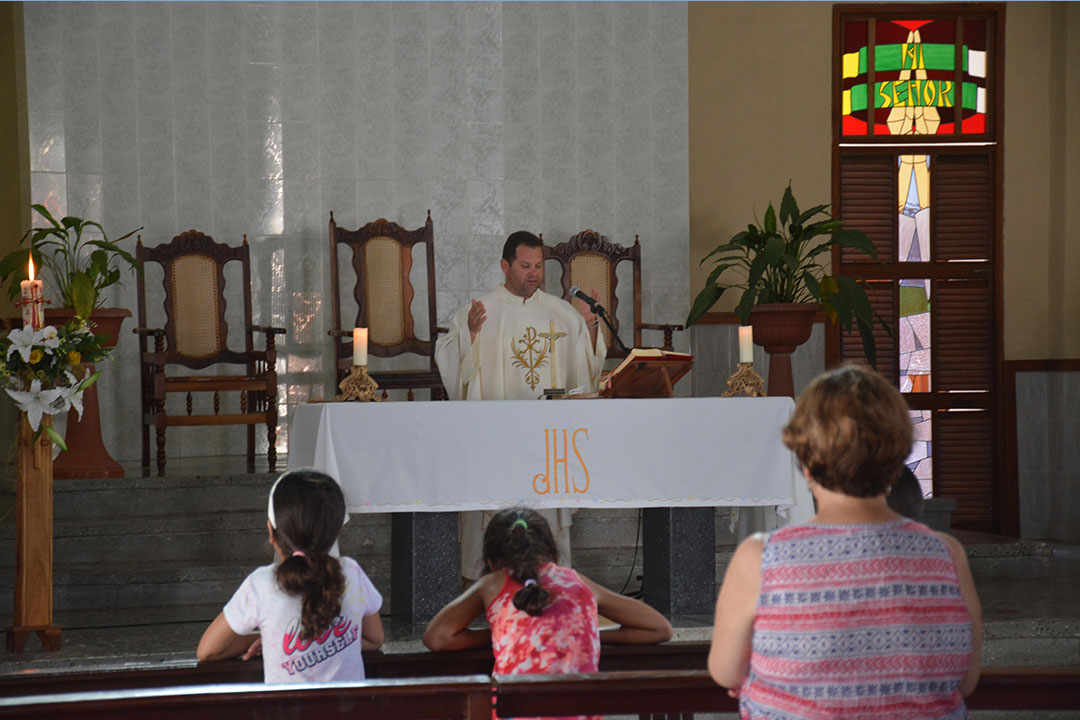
<point x="381" y="261"/>
<point x="194" y="337"/>
<point x="590" y="261"/>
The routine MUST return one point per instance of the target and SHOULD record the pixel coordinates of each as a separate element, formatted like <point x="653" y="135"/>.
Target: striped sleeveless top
<point x="858" y="621"/>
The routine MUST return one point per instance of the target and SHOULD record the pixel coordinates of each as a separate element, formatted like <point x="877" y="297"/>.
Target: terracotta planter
<point x="780" y="328"/>
<point x="86" y="456"/>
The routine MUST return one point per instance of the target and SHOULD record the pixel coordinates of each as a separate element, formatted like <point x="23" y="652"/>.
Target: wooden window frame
<point x="1003" y="486"/>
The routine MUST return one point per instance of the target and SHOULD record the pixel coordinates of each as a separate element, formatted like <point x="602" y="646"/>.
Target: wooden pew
<point x="457" y="698"/>
<point x="656" y="694"/>
<point x="378" y="665"/>
<point x="669" y="693"/>
<point x="681" y="693"/>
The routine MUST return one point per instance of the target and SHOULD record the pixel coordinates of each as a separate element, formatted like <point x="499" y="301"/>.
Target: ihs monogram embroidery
<point x="530" y="353"/>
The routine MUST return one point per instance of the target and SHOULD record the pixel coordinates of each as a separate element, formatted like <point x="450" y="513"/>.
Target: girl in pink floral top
<point x="543" y="617"/>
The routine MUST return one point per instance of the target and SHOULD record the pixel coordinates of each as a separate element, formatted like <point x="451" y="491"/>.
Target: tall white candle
<point x="746" y="344"/>
<point x="359" y="346"/>
<point x="33" y="301"/>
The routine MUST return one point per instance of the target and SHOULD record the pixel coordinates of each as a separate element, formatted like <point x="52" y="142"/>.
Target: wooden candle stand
<point x="33" y="607"/>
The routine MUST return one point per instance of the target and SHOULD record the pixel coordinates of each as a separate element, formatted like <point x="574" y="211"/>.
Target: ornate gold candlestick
<point x="358" y="386"/>
<point x="745" y="381"/>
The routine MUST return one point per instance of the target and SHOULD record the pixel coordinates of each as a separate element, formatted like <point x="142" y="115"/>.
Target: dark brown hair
<point x="518" y="540"/>
<point x="906" y="496"/>
<point x="521" y="237"/>
<point x="309" y="509"/>
<point x="851" y="430"/>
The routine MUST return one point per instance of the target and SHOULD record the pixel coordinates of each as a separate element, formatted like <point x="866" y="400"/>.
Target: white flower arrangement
<point x="44" y="372"/>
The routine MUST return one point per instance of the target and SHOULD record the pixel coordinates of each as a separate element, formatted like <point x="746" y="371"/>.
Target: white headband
<point x="270" y="505"/>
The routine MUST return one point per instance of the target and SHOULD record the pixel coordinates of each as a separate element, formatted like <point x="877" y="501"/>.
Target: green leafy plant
<point x="45" y="371"/>
<point x="779" y="260"/>
<point x="80" y="262"/>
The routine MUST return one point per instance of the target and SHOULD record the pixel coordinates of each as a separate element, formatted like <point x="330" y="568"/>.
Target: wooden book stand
<point x="650" y="373"/>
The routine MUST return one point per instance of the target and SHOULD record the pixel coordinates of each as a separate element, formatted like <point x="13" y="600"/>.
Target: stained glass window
<point x="920" y="459"/>
<point x="916" y="93"/>
<point x="913" y="221"/>
<point x="914" y="88"/>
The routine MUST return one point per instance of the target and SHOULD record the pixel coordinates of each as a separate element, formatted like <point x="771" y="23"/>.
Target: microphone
<point x="601" y="313"/>
<point x="594" y="304"/>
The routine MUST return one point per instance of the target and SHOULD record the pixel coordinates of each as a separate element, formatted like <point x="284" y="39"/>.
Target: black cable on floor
<point x="633" y="563"/>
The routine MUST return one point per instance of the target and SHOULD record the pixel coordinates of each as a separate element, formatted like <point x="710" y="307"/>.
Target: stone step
<point x="1031" y="643"/>
<point x="993" y="556"/>
<point x="144" y="593"/>
<point x="123" y="498"/>
<point x="208" y="537"/>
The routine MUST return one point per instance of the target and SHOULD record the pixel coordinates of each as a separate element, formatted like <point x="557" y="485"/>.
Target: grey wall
<point x="1048" y="454"/>
<point x="716" y="358"/>
<point x="261" y="118"/>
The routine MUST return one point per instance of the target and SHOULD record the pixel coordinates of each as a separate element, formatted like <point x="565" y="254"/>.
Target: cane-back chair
<point x="589" y="260"/>
<point x="382" y="257"/>
<point x="194" y="337"/>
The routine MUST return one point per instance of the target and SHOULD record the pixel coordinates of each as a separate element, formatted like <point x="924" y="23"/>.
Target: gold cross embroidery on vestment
<point x="551" y="336"/>
<point x="530" y="353"/>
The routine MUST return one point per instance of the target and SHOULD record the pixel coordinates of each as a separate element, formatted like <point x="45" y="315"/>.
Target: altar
<point x="425" y="461"/>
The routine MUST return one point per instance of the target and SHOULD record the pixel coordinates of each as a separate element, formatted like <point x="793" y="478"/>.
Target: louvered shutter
<point x="964" y="465"/>
<point x="868" y="203"/>
<point x="961" y="310"/>
<point x="883" y="300"/>
<point x="961" y="192"/>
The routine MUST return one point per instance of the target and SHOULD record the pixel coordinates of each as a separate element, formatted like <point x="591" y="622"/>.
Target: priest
<point x="512" y="344"/>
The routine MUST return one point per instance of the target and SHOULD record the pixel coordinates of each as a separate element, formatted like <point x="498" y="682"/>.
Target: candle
<point x="746" y="344"/>
<point x="33" y="301"/>
<point x="359" y="346"/>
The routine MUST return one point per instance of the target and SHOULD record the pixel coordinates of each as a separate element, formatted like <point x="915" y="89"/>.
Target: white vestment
<point x="512" y="360"/>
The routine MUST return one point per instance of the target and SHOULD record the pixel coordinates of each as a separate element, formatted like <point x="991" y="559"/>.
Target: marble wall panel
<point x="1065" y="496"/>
<point x="1035" y="507"/>
<point x="521" y="202"/>
<point x="155" y="147"/>
<point x="47" y="143"/>
<point x="46" y="77"/>
<point x="716" y="357"/>
<point x="84" y="193"/>
<point x="1048" y="453"/>
<point x="260" y="118"/>
<point x="191" y="147"/>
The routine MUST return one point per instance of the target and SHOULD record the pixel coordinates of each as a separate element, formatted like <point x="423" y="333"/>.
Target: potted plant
<point x="778" y="262"/>
<point x="80" y="263"/>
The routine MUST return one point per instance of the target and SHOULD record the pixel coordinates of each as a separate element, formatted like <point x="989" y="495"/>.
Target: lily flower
<point x="49" y="337"/>
<point x="35" y="402"/>
<point x="23" y="341"/>
<point x="71" y="396"/>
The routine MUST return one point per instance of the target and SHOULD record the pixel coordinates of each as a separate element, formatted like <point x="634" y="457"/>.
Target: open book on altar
<point x="646" y="373"/>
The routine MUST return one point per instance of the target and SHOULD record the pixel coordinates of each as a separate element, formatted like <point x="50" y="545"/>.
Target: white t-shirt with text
<point x="335" y="655"/>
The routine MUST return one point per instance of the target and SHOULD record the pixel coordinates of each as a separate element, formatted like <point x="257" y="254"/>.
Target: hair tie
<point x="299" y="553"/>
<point x="530" y="581"/>
<point x="520" y="522"/>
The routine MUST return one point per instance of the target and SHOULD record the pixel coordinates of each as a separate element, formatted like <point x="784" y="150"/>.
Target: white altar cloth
<point x="441" y="456"/>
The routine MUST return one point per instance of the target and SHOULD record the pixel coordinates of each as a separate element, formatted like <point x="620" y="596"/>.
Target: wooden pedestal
<point x="33" y="607"/>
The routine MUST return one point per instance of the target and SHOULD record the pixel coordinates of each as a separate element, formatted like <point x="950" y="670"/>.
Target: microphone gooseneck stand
<point x="602" y="314"/>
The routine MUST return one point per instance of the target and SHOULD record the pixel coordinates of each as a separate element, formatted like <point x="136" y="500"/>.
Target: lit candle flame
<point x="30" y="272"/>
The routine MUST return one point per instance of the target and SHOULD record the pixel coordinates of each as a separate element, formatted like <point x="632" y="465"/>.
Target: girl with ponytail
<point x="543" y="617"/>
<point x="314" y="612"/>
